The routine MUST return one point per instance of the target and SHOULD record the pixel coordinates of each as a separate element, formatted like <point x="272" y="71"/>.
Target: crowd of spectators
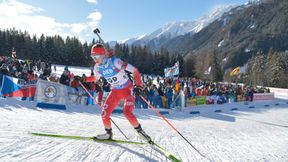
<point x="166" y="92"/>
<point x="160" y="92"/>
<point x="24" y="69"/>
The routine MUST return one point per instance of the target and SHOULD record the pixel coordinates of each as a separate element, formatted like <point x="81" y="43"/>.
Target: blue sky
<point x="117" y="19"/>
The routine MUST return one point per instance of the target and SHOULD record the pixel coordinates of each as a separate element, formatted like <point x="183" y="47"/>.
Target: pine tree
<point x="256" y="69"/>
<point x="283" y="57"/>
<point x="273" y="72"/>
<point x="216" y="71"/>
<point x="189" y="67"/>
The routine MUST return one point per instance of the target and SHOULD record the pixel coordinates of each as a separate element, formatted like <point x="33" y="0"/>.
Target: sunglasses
<point x="95" y="57"/>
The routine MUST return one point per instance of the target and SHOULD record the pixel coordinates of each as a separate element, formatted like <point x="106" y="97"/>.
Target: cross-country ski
<point x="86" y="138"/>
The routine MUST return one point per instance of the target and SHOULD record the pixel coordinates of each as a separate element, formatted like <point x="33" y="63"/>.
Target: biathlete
<point x="113" y="70"/>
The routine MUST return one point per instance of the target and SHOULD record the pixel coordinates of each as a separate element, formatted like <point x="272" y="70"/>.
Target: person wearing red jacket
<point x="113" y="70"/>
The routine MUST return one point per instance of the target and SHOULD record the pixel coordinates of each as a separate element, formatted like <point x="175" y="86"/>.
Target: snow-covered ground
<point x="76" y="70"/>
<point x="246" y="134"/>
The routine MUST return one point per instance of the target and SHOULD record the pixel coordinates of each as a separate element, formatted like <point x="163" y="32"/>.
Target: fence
<point x="13" y="87"/>
<point x="279" y="92"/>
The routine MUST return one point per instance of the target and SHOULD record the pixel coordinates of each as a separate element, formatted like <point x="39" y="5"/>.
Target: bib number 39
<point x="112" y="80"/>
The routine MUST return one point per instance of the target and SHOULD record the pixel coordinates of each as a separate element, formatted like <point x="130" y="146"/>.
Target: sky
<point x="117" y="20"/>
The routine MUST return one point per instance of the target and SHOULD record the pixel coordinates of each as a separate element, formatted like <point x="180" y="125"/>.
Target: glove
<point x="138" y="90"/>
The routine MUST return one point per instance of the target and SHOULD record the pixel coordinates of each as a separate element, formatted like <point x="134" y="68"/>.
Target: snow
<point x="76" y="70"/>
<point x="197" y="28"/>
<point x="258" y="134"/>
<point x="127" y="41"/>
<point x="252" y="26"/>
<point x="141" y="37"/>
<point x="207" y="72"/>
<point x="220" y="43"/>
<point x="174" y="29"/>
<point x="247" y="50"/>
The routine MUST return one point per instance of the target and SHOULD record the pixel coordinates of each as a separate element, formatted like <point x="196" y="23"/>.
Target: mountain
<point x="171" y="30"/>
<point x="237" y="35"/>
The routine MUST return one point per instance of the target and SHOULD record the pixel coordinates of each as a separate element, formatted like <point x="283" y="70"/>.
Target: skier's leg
<point x="109" y="105"/>
<point x="106" y="136"/>
<point x="143" y="134"/>
<point x="111" y="102"/>
<point x="128" y="110"/>
<point x="100" y="97"/>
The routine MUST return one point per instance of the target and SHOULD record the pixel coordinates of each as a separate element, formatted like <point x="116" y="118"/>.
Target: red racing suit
<point x="113" y="70"/>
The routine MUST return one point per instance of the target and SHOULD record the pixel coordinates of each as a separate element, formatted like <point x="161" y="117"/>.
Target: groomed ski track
<point x="246" y="134"/>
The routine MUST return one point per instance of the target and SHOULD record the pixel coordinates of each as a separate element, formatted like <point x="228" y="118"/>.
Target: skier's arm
<point x="136" y="74"/>
<point x="125" y="66"/>
<point x="95" y="77"/>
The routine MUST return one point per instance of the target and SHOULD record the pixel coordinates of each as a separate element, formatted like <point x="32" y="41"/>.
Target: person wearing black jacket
<point x="64" y="79"/>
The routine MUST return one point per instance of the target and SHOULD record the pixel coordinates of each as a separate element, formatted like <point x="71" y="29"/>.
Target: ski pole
<point x="157" y="112"/>
<point x="101" y="108"/>
<point x="97" y="32"/>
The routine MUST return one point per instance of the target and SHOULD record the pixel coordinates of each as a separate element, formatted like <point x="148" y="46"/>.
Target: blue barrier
<point x="117" y="111"/>
<point x="266" y="105"/>
<point x="195" y="112"/>
<point x="218" y="111"/>
<point x="164" y="112"/>
<point x="234" y="109"/>
<point x="50" y="106"/>
<point x="251" y="107"/>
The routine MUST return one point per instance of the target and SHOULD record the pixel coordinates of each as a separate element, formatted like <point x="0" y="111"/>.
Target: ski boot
<point x="107" y="136"/>
<point x="143" y="135"/>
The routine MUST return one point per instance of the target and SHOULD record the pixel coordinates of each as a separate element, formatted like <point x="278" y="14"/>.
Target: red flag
<point x="13" y="53"/>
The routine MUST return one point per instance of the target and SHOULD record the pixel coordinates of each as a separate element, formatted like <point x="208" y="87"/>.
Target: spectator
<point x="64" y="79"/>
<point x="91" y="88"/>
<point x="187" y="94"/>
<point x="169" y="95"/>
<point x="75" y="82"/>
<point x="251" y="93"/>
<point x="31" y="76"/>
<point x="3" y="69"/>
<point x="151" y="94"/>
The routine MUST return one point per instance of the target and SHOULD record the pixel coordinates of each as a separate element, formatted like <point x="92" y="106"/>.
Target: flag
<point x="174" y="70"/>
<point x="235" y="71"/>
<point x="13" y="54"/>
<point x="49" y="92"/>
<point x="14" y="87"/>
<point x="177" y="85"/>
